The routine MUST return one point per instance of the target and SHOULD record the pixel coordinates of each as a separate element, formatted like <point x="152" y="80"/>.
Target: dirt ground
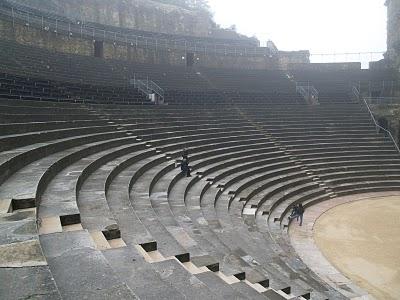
<point x="362" y="240"/>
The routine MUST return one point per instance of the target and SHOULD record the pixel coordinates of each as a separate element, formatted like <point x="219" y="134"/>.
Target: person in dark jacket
<point x="185" y="154"/>
<point x="293" y="214"/>
<point x="300" y="212"/>
<point x="185" y="168"/>
<point x="297" y="212"/>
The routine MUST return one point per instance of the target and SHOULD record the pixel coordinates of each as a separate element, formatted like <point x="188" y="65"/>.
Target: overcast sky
<point x="321" y="26"/>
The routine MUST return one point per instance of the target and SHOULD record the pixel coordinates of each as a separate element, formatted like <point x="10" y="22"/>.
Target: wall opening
<point x="99" y="49"/>
<point x="189" y="59"/>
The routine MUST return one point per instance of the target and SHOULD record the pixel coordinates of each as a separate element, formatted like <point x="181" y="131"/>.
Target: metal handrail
<point x="309" y="92"/>
<point x="379" y="126"/>
<point x="383" y="100"/>
<point x="155" y="87"/>
<point x="52" y="24"/>
<point x="302" y="91"/>
<point x="148" y="87"/>
<point x="314" y="91"/>
<point x="356" y="92"/>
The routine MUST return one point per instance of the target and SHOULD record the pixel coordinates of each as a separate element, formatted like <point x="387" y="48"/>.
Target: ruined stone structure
<point x="146" y="15"/>
<point x="159" y="34"/>
<point x="393" y="28"/>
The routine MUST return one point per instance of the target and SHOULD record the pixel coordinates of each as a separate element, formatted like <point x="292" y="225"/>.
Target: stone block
<point x="5" y="206"/>
<point x="50" y="225"/>
<point x="22" y="254"/>
<point x="28" y="283"/>
<point x="273" y="295"/>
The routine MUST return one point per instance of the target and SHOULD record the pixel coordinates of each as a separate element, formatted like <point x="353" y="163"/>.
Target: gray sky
<point x="321" y="26"/>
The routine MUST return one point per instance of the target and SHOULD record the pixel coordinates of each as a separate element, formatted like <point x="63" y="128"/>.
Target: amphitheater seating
<point x="37" y="62"/>
<point x="248" y="80"/>
<point x="51" y="75"/>
<point x="337" y="86"/>
<point x="27" y="88"/>
<point x="93" y="204"/>
<point x="103" y="183"/>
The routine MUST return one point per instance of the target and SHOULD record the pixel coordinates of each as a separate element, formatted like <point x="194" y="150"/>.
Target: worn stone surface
<point x="139" y="274"/>
<point x="27" y="283"/>
<point x="79" y="270"/>
<point x="171" y="271"/>
<point x="248" y="291"/>
<point x="22" y="254"/>
<point x="19" y="226"/>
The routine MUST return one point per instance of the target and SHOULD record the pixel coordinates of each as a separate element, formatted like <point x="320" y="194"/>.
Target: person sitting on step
<point x="185" y="154"/>
<point x="185" y="168"/>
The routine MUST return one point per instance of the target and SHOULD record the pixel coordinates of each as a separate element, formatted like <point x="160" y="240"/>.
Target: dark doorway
<point x="189" y="59"/>
<point x="99" y="49"/>
<point x="375" y="94"/>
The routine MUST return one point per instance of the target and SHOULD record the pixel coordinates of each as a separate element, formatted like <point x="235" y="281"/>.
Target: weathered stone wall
<point x="393" y="31"/>
<point x="325" y="66"/>
<point x="144" y="15"/>
<point x="289" y="58"/>
<point x="62" y="43"/>
<point x="45" y="39"/>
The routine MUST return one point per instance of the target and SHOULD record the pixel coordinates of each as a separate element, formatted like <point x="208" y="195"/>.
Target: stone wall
<point x="72" y="44"/>
<point x="393" y="31"/>
<point x="325" y="66"/>
<point x="45" y="39"/>
<point x="144" y="15"/>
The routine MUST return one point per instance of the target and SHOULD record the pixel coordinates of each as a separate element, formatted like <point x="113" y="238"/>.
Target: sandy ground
<point x="362" y="240"/>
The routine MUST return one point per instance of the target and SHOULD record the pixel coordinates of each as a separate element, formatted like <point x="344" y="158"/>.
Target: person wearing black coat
<point x="185" y="168"/>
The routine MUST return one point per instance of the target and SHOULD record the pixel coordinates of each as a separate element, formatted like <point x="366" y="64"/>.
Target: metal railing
<point x="383" y="100"/>
<point x="385" y="88"/>
<point x="356" y="93"/>
<point x="379" y="127"/>
<point x="308" y="92"/>
<point x="149" y="88"/>
<point x="350" y="57"/>
<point x="81" y="30"/>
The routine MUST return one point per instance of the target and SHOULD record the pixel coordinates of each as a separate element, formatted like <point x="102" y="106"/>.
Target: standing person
<point x="300" y="211"/>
